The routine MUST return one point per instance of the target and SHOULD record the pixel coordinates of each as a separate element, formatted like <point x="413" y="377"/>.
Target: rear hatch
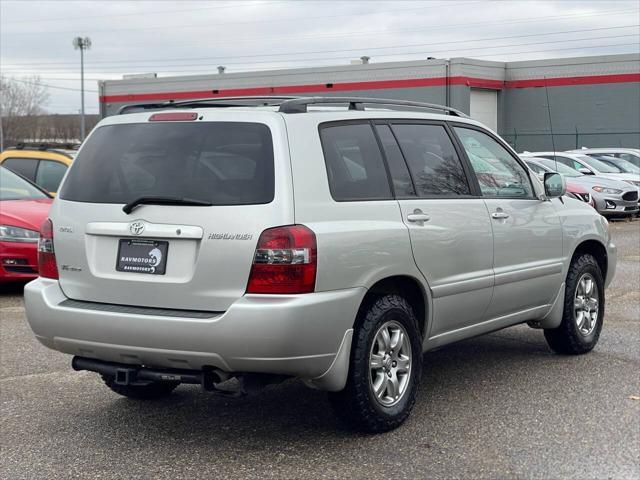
<point x="210" y="186"/>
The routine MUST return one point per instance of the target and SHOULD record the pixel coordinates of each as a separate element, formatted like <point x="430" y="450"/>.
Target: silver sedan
<point x="610" y="197"/>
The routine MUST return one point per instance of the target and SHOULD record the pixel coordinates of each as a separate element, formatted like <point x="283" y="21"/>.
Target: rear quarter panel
<point x="359" y="242"/>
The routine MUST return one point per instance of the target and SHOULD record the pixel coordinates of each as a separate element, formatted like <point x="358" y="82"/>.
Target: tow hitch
<point x="209" y="378"/>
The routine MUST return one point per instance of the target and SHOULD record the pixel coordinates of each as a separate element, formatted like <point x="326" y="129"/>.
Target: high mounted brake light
<point x="46" y="254"/>
<point x="285" y="261"/>
<point x="173" y="117"/>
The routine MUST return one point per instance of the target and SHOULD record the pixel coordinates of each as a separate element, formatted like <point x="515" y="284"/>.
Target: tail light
<point x="46" y="255"/>
<point x="285" y="261"/>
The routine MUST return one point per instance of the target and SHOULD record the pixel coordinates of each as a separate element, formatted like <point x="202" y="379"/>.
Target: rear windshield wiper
<point x="159" y="200"/>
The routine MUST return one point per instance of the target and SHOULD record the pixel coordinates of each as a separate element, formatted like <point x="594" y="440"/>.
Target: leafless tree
<point x="21" y="101"/>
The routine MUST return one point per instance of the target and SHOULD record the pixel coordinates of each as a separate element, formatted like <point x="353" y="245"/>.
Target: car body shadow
<point x="291" y="410"/>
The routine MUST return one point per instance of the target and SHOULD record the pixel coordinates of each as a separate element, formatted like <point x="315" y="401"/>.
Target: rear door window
<point x="402" y="183"/>
<point x="25" y="167"/>
<point x="223" y="163"/>
<point x="432" y="159"/>
<point x="355" y="167"/>
<point x="49" y="174"/>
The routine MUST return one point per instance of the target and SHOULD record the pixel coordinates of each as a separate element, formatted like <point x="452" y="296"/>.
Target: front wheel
<point x="386" y="361"/>
<point x="583" y="313"/>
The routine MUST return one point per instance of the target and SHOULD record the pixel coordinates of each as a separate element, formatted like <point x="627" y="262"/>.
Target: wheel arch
<point x="599" y="252"/>
<point x="407" y="287"/>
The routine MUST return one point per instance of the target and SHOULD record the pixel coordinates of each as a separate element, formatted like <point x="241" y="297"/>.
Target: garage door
<point x="484" y="107"/>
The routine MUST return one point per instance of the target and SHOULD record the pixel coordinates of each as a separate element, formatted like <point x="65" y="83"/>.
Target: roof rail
<point x="299" y="105"/>
<point x="248" y="101"/>
<point x="45" y="146"/>
<point x="288" y="104"/>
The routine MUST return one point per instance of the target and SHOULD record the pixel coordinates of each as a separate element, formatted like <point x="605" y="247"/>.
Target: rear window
<point x="223" y="163"/>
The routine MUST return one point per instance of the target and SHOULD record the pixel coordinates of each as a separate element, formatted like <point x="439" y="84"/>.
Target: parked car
<point x="574" y="190"/>
<point x="23" y="209"/>
<point x="42" y="164"/>
<point x="588" y="165"/>
<point x="609" y="197"/>
<point x="629" y="154"/>
<point x="623" y="165"/>
<point x="278" y="238"/>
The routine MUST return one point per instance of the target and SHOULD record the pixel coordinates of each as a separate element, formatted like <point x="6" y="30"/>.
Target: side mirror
<point x="554" y="185"/>
<point x="585" y="171"/>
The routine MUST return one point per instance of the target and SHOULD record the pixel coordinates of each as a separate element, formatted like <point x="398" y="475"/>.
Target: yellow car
<point x="43" y="164"/>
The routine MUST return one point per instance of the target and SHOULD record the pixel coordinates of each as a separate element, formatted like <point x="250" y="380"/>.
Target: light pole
<point x="82" y="44"/>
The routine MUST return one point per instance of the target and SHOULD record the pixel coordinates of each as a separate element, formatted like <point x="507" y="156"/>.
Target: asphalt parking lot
<point x="498" y="406"/>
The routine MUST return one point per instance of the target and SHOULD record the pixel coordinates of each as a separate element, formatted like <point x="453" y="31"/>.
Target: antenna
<point x="553" y="142"/>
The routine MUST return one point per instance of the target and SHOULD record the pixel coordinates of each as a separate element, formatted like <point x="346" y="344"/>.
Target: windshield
<point x="631" y="157"/>
<point x="220" y="163"/>
<point x="14" y="187"/>
<point x="620" y="164"/>
<point x="598" y="165"/>
<point x="560" y="168"/>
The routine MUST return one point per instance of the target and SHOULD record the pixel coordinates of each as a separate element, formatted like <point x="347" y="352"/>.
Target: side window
<point x="498" y="173"/>
<point x="432" y="159"/>
<point x="354" y="162"/>
<point x="402" y="183"/>
<point x="565" y="161"/>
<point x="573" y="164"/>
<point x="50" y="174"/>
<point x="22" y="166"/>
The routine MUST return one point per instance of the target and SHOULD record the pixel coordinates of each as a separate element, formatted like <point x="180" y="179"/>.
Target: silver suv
<point x="237" y="242"/>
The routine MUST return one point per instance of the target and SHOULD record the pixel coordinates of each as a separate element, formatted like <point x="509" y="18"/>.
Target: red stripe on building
<point x="568" y="81"/>
<point x="374" y="85"/>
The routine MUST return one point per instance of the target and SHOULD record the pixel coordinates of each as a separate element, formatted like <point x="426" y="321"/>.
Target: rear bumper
<point x="298" y="335"/>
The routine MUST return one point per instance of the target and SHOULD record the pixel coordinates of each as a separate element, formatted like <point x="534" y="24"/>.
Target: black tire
<point x="567" y="339"/>
<point x="149" y="391"/>
<point x="356" y="405"/>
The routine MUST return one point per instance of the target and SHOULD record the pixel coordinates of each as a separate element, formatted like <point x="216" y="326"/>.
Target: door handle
<point x="418" y="216"/>
<point x="500" y="215"/>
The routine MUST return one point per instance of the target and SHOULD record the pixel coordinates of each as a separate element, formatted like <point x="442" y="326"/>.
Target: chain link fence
<point x="521" y="141"/>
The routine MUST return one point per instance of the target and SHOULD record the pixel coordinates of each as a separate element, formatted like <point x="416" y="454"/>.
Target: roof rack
<point x="288" y="104"/>
<point x="248" y="101"/>
<point x="299" y="105"/>
<point x="45" y="146"/>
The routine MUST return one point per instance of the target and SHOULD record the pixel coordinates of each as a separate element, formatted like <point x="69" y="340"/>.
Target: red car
<point x="23" y="209"/>
<point x="579" y="192"/>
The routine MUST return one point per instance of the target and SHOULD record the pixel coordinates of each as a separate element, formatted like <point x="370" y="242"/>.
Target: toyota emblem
<point x="137" y="227"/>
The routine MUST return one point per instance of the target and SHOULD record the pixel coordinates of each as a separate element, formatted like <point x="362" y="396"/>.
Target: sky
<point x="194" y="37"/>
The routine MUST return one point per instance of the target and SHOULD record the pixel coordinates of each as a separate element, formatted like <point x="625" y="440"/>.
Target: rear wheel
<point x="386" y="361"/>
<point x="148" y="391"/>
<point x="583" y="314"/>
